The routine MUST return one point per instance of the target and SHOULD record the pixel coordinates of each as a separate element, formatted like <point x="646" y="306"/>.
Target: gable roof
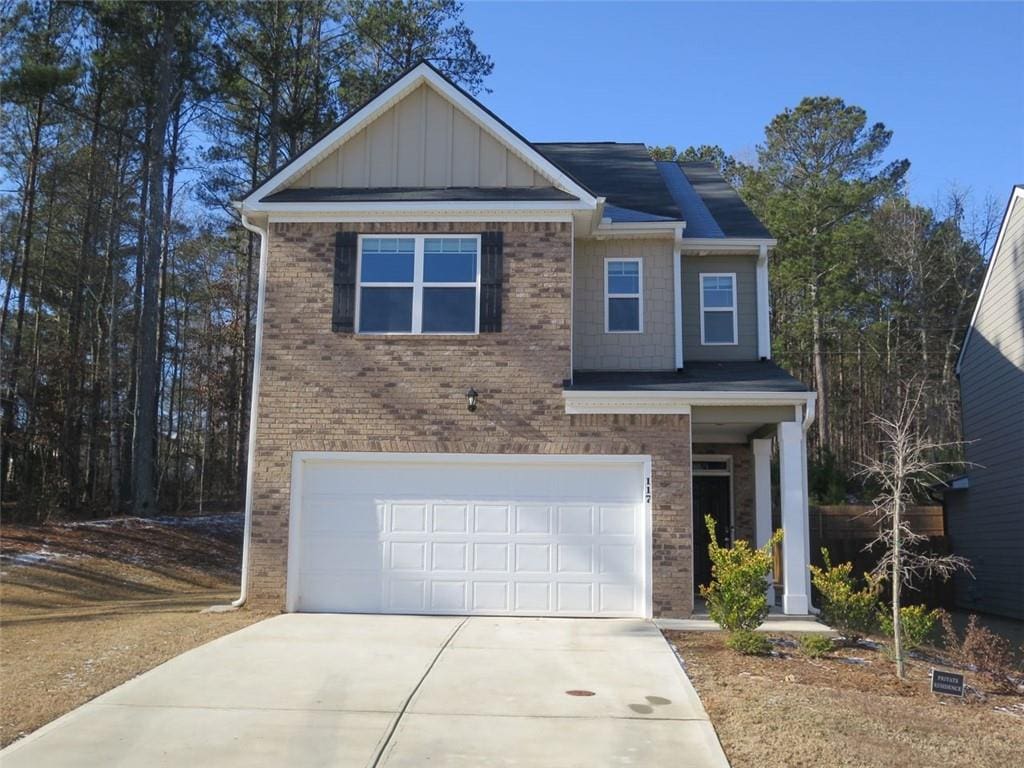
<point x="1015" y="195"/>
<point x="402" y="85"/>
<point x="635" y="188"/>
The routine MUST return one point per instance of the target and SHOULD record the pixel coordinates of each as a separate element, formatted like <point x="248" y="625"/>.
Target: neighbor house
<point x="985" y="508"/>
<point x="502" y="377"/>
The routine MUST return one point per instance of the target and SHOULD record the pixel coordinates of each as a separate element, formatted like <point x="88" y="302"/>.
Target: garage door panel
<point x="450" y="518"/>
<point x="574" y="598"/>
<point x="490" y="596"/>
<point x="533" y="558"/>
<point x="533" y="518"/>
<point x="575" y="520"/>
<point x="539" y="538"/>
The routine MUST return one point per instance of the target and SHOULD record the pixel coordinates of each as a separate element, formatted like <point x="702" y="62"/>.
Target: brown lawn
<point x="86" y="607"/>
<point x="792" y="711"/>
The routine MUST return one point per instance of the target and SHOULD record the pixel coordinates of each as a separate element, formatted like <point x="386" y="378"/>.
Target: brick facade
<point x="325" y="391"/>
<point x="744" y="522"/>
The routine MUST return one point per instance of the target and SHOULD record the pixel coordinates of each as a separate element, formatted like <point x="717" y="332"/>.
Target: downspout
<point x="250" y="468"/>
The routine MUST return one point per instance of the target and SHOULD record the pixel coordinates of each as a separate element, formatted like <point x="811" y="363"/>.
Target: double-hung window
<point x="623" y="292"/>
<point x="718" y="308"/>
<point x="421" y="284"/>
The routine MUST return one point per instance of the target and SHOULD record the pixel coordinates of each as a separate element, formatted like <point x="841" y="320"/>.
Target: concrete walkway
<point x="326" y="690"/>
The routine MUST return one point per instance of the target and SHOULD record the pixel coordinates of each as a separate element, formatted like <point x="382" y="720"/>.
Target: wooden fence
<point x="845" y="531"/>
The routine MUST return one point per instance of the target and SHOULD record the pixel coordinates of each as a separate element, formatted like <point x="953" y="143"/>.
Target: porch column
<point x="762" y="449"/>
<point x="793" y="495"/>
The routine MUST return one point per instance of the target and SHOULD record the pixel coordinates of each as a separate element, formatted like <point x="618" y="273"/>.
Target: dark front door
<point x="710" y="497"/>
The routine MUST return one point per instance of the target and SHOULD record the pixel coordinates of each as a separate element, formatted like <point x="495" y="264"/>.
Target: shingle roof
<point x="723" y="202"/>
<point x="623" y="174"/>
<point x="699" y="221"/>
<point x="391" y="194"/>
<point x="753" y="376"/>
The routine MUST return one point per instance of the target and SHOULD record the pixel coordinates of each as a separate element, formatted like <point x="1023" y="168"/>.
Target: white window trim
<point x="639" y="295"/>
<point x="734" y="309"/>
<point x="417" y="285"/>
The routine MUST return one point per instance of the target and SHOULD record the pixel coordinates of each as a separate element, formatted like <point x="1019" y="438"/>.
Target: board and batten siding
<point x="422" y="141"/>
<point x="987" y="526"/>
<point x="651" y="350"/>
<point x="745" y="268"/>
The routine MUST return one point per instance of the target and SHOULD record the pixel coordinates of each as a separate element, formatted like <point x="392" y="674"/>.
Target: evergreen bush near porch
<point x="736" y="597"/>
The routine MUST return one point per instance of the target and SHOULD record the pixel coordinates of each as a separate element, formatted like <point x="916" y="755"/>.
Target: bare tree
<point x="906" y="464"/>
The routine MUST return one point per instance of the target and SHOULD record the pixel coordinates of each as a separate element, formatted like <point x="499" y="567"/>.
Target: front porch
<point x="742" y="417"/>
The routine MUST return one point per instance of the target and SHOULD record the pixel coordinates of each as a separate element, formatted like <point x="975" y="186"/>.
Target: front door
<point x="710" y="497"/>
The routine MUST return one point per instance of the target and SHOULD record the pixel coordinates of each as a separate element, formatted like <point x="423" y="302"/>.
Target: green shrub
<point x="815" y="646"/>
<point x="850" y="610"/>
<point x="749" y="643"/>
<point x="737" y="594"/>
<point x="918" y="624"/>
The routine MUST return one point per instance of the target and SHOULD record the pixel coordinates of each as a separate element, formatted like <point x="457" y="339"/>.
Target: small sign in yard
<point x="947" y="682"/>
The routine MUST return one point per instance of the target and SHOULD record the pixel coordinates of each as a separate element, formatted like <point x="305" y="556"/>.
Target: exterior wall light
<point x="471" y="395"/>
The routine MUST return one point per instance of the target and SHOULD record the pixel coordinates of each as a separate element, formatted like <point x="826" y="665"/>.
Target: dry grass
<point x="792" y="711"/>
<point x="84" y="608"/>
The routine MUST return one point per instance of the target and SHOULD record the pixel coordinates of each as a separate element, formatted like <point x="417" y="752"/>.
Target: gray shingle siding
<point x="745" y="268"/>
<point x="986" y="522"/>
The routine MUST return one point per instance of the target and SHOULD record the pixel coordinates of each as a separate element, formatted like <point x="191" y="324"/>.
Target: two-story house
<point x="985" y="508"/>
<point x="502" y="377"/>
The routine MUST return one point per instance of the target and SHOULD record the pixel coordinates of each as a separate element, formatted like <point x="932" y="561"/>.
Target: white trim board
<point x="423" y="73"/>
<point x="671" y="402"/>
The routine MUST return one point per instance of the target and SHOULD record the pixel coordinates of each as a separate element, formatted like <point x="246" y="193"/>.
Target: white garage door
<point x="416" y="533"/>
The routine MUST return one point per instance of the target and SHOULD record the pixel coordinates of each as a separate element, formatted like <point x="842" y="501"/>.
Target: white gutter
<point x="727" y="243"/>
<point x="253" y="401"/>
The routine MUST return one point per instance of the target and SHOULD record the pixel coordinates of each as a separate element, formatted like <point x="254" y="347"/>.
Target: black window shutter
<point x="344" y="315"/>
<point x="490" y="282"/>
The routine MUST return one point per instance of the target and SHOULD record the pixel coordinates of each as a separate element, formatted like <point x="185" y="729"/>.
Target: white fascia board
<point x="627" y="230"/>
<point x="1018" y="194"/>
<point x="727" y="243"/>
<point x="420" y="216"/>
<point x="662" y="402"/>
<point x="417" y="206"/>
<point x="419" y="75"/>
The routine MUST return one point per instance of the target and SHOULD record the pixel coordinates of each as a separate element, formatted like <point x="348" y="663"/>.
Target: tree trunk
<point x="820" y="371"/>
<point x="144" y="500"/>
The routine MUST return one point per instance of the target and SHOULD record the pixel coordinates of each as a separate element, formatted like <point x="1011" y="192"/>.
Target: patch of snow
<point x="29" y="558"/>
<point x="200" y="522"/>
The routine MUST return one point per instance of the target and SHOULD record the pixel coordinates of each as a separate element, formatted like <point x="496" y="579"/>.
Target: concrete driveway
<point x="345" y="690"/>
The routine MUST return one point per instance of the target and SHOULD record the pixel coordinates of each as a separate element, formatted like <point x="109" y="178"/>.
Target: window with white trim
<point x="718" y="308"/>
<point x="623" y="296"/>
<point x="421" y="284"/>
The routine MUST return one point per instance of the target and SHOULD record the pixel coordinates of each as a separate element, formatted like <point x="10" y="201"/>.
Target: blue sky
<point x="945" y="77"/>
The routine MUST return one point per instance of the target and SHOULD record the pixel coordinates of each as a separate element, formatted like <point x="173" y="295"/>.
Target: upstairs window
<point x="718" y="309"/>
<point x="424" y="284"/>
<point x="623" y="302"/>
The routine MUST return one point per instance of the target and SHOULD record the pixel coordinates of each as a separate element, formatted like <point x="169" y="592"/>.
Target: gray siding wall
<point x="745" y="268"/>
<point x="595" y="350"/>
<point x="989" y="527"/>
